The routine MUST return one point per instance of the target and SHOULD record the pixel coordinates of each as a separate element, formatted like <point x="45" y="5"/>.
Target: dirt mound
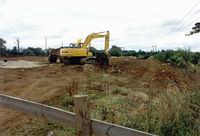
<point x="163" y="75"/>
<point x="18" y="64"/>
<point x="151" y="72"/>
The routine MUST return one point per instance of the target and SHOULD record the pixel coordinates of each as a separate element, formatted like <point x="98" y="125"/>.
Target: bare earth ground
<point x="49" y="81"/>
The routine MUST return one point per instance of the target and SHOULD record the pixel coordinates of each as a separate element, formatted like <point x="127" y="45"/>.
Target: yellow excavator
<point x="79" y="52"/>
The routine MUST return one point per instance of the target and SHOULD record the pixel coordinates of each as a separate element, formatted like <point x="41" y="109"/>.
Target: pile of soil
<point x="151" y="72"/>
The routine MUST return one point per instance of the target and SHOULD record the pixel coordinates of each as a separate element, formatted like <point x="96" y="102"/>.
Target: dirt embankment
<point x="47" y="81"/>
<point x="151" y="72"/>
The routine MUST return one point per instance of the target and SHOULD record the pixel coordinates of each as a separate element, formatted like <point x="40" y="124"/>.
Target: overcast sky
<point x="133" y="24"/>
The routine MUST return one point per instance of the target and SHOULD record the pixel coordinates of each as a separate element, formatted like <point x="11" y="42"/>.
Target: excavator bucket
<point x="102" y="60"/>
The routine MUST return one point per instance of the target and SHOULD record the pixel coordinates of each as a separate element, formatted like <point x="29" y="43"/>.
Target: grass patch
<point x="120" y="90"/>
<point x="168" y="113"/>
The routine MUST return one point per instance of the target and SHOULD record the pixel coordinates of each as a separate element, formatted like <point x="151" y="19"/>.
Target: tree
<point x="37" y="51"/>
<point x="194" y="58"/>
<point x="2" y="47"/>
<point x="28" y="52"/>
<point x="126" y="53"/>
<point x="143" y="55"/>
<point x="133" y="53"/>
<point x="140" y="52"/>
<point x="93" y="50"/>
<point x="195" y="29"/>
<point x="14" y="51"/>
<point x="115" y="51"/>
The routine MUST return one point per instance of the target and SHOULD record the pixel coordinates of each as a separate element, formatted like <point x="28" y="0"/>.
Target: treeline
<point x="30" y="51"/>
<point x="117" y="51"/>
<point x="178" y="57"/>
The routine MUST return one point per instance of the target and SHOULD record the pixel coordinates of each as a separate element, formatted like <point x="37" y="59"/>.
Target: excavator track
<point x="102" y="60"/>
<point x="88" y="60"/>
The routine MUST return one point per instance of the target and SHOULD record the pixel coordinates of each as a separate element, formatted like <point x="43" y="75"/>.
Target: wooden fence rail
<point x="99" y="128"/>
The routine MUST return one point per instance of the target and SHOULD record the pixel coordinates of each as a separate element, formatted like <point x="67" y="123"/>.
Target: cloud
<point x="170" y="25"/>
<point x="54" y="36"/>
<point x="2" y="2"/>
<point x="19" y="30"/>
<point x="132" y="24"/>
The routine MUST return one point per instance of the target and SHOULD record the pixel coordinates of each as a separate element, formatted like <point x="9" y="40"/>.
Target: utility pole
<point x="46" y="43"/>
<point x="18" y="44"/>
<point x="122" y="50"/>
<point x="46" y="46"/>
<point x="154" y="48"/>
<point x="61" y="44"/>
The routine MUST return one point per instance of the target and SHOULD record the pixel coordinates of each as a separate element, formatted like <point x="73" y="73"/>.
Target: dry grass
<point x="162" y="112"/>
<point x="72" y="87"/>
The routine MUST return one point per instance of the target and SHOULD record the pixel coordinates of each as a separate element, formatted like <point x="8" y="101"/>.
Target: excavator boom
<point x="92" y="36"/>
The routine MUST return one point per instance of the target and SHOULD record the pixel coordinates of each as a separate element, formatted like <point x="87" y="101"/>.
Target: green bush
<point x="176" y="60"/>
<point x="194" y="58"/>
<point x="164" y="55"/>
<point x="184" y="53"/>
<point x="67" y="102"/>
<point x="28" y="52"/>
<point x="198" y="64"/>
<point x="115" y="51"/>
<point x="180" y="127"/>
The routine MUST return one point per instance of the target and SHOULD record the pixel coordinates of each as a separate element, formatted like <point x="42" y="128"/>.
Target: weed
<point x="89" y="79"/>
<point x="72" y="87"/>
<point x="168" y="113"/>
<point x="122" y="91"/>
<point x="95" y="94"/>
<point x="67" y="102"/>
<point x="113" y="109"/>
<point x="176" y="60"/>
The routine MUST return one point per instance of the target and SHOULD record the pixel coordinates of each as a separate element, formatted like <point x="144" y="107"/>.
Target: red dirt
<point x="40" y="84"/>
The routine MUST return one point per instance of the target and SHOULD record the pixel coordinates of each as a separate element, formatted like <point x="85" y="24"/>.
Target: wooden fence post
<point x="83" y="124"/>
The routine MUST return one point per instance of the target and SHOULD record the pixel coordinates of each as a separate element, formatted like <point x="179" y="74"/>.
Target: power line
<point x="188" y="20"/>
<point x="191" y="23"/>
<point x="186" y="14"/>
<point x="185" y="25"/>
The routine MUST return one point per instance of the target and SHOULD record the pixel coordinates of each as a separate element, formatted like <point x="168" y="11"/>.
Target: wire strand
<point x="186" y="15"/>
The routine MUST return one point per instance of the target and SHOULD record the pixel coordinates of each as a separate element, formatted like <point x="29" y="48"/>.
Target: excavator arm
<point x="92" y="36"/>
